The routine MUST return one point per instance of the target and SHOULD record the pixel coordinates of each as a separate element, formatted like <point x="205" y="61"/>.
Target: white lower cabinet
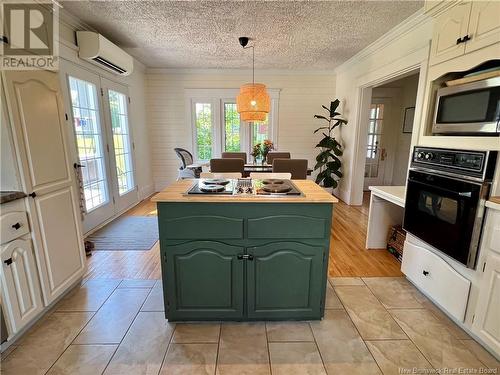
<point x="487" y="317"/>
<point x="433" y="275"/>
<point x="21" y="294"/>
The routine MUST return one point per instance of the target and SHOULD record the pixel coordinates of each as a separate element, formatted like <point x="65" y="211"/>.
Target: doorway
<point x="388" y="132"/>
<point x="99" y="114"/>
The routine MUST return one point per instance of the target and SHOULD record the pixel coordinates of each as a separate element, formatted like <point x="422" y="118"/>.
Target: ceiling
<point x="303" y="35"/>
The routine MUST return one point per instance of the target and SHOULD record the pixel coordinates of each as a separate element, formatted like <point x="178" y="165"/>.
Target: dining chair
<point x="186" y="159"/>
<point x="233" y="175"/>
<point x="297" y="167"/>
<point x="276" y="155"/>
<point x="265" y="176"/>
<point x="235" y="155"/>
<point x="227" y="165"/>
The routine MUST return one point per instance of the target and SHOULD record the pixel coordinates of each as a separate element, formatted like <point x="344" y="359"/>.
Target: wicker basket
<point x="396" y="241"/>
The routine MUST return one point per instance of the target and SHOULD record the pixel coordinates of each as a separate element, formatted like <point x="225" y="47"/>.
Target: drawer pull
<point x="245" y="257"/>
<point x="8" y="261"/>
<point x="16" y="226"/>
<point x="425" y="273"/>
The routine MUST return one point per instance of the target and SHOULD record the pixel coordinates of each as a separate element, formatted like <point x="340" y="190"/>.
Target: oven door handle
<point x="462" y="194"/>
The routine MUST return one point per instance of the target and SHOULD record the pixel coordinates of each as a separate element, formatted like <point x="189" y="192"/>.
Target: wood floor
<point x="348" y="256"/>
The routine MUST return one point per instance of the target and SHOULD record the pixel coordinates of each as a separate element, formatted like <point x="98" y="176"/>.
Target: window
<point x="217" y="126"/>
<point x="121" y="141"/>
<point x="89" y="142"/>
<point x="232" y="127"/>
<point x="203" y="119"/>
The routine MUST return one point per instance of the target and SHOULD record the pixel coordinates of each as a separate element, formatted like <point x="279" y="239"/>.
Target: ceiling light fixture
<point x="253" y="102"/>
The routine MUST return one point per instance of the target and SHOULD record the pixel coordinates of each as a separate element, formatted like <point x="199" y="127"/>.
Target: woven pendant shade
<point x="253" y="103"/>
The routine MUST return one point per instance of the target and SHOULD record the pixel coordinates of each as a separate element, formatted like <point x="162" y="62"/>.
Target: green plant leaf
<point x="329" y="182"/>
<point x="333" y="106"/>
<point x="323" y="127"/>
<point x="322" y="117"/>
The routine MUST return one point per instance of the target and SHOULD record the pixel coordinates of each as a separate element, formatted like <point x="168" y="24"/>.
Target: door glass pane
<point x="121" y="141"/>
<point x="89" y="142"/>
<point x="231" y="128"/>
<point x="203" y="120"/>
<point x="373" y="141"/>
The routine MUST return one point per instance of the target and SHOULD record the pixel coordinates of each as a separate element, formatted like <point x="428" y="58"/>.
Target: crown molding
<point x="408" y="25"/>
<point x="260" y="72"/>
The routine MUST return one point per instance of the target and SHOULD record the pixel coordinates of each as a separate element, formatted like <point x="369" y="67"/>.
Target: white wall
<point x="403" y="49"/>
<point x="301" y="96"/>
<point x="136" y="86"/>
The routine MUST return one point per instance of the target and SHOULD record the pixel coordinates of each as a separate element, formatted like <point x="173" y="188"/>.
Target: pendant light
<point x="253" y="102"/>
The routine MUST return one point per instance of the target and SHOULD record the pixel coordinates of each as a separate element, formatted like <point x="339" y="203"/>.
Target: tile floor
<point x="376" y="325"/>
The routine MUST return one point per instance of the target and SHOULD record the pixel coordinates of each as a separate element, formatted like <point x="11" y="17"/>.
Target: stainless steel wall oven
<point x="445" y="199"/>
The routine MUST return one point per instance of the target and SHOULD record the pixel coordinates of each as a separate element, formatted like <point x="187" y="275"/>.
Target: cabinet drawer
<point x="202" y="227"/>
<point x="287" y="226"/>
<point x="437" y="278"/>
<point x="13" y="225"/>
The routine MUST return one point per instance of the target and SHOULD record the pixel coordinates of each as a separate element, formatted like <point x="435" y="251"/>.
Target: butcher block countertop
<point x="312" y="194"/>
<point x="494" y="203"/>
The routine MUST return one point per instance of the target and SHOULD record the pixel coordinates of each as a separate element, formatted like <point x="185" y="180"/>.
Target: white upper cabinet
<point x="465" y="27"/>
<point x="41" y="135"/>
<point x="448" y="28"/>
<point x="484" y="25"/>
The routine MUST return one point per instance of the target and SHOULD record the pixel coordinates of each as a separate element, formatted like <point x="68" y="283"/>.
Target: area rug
<point x="126" y="233"/>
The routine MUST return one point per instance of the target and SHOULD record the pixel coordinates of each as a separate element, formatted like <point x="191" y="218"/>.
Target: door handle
<point x="245" y="257"/>
<point x="77" y="165"/>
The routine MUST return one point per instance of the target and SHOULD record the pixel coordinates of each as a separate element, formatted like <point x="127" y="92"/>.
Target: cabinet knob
<point x="32" y="195"/>
<point x="466" y="38"/>
<point x="16" y="226"/>
<point x="8" y="261"/>
<point x="425" y="273"/>
<point x="245" y="257"/>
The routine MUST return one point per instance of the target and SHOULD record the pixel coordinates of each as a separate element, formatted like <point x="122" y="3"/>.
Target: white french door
<point x="116" y="101"/>
<point x="375" y="149"/>
<point x="103" y="149"/>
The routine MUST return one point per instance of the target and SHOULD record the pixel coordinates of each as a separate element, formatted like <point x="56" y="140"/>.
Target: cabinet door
<point x="203" y="280"/>
<point x="486" y="321"/>
<point x="285" y="281"/>
<point x="484" y="27"/>
<point x="448" y="27"/>
<point x="20" y="287"/>
<point x="41" y="140"/>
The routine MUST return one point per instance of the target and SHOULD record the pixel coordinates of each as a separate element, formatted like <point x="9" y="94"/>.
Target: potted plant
<point x="327" y="161"/>
<point x="267" y="146"/>
<point x="256" y="152"/>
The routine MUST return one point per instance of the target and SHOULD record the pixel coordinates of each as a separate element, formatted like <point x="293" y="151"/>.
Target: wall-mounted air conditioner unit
<point x="98" y="50"/>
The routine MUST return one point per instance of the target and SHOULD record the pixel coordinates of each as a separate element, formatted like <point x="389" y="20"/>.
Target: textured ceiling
<point x="204" y="34"/>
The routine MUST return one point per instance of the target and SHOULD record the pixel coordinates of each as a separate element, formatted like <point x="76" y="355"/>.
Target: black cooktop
<point x="244" y="186"/>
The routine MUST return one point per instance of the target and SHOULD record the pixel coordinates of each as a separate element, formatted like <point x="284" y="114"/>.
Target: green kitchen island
<point x="244" y="257"/>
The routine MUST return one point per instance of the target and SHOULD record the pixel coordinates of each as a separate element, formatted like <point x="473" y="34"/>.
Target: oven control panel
<point x="460" y="162"/>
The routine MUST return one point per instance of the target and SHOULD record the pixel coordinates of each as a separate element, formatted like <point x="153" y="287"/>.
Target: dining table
<point x="262" y="168"/>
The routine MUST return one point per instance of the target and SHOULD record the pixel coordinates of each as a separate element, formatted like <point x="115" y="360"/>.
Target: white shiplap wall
<point x="301" y="96"/>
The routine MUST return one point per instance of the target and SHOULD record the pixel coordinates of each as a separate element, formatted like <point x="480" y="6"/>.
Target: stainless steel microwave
<point x="468" y="109"/>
